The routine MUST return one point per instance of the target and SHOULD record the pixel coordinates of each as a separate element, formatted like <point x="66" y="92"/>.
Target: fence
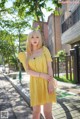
<point x="69" y="66"/>
<point x="63" y="67"/>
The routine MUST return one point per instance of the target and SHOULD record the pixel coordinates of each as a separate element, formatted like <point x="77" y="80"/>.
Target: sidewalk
<point x="68" y="98"/>
<point x="12" y="105"/>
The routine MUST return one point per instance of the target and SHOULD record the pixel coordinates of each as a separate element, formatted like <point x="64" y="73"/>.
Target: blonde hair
<point x="29" y="46"/>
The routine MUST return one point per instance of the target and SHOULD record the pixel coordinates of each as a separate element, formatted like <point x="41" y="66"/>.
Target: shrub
<point x="61" y="54"/>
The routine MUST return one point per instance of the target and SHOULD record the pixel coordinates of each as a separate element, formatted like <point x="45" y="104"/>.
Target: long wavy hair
<point x="29" y="47"/>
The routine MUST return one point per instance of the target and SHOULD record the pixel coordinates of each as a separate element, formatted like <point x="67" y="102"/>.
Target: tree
<point x="6" y="51"/>
<point x="22" y="12"/>
<point x="12" y="31"/>
<point x="2" y="5"/>
<point x="33" y="9"/>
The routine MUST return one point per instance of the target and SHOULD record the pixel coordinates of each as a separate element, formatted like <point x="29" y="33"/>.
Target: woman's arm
<point x="33" y="73"/>
<point x="38" y="74"/>
<point x="50" y="71"/>
<point x="52" y="83"/>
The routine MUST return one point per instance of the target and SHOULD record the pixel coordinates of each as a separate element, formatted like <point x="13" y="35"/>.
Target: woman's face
<point x="35" y="39"/>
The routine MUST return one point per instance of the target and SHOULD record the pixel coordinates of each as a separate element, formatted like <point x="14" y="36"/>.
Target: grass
<point x="62" y="94"/>
<point x="63" y="79"/>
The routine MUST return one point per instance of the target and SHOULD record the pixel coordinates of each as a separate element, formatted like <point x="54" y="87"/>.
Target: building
<point x="52" y="33"/>
<point x="62" y="32"/>
<point x="70" y="24"/>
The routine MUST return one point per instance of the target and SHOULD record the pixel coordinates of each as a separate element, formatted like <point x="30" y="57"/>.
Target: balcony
<point x="71" y="27"/>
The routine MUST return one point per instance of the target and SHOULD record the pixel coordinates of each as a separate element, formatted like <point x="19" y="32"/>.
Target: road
<point x="12" y="105"/>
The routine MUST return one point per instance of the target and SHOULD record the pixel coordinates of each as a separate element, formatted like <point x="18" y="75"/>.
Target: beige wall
<point x="54" y="30"/>
<point x="66" y="47"/>
<point x="51" y="44"/>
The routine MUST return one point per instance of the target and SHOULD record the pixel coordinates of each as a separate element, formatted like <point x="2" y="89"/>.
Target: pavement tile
<point x="13" y="103"/>
<point x="68" y="99"/>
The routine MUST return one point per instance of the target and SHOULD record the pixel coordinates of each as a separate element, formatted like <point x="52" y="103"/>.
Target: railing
<point x="69" y="66"/>
<point x="64" y="67"/>
<point x="70" y="21"/>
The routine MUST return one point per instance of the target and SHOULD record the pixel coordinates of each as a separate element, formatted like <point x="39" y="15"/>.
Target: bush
<point x="61" y="54"/>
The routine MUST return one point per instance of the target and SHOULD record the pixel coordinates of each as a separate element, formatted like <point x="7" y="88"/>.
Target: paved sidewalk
<point x="68" y="98"/>
<point x="12" y="105"/>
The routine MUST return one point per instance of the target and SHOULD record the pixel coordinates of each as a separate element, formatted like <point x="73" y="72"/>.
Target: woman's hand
<point x="50" y="87"/>
<point x="46" y="76"/>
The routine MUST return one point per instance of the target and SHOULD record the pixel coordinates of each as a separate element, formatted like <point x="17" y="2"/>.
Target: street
<point x="12" y="105"/>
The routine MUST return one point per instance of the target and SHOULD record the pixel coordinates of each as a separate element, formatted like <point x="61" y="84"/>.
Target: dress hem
<point x="44" y="103"/>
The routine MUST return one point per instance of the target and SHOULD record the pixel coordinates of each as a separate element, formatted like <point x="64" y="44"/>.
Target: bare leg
<point x="36" y="112"/>
<point x="48" y="110"/>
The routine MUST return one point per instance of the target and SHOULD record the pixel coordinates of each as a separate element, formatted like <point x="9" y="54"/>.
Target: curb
<point x="25" y="97"/>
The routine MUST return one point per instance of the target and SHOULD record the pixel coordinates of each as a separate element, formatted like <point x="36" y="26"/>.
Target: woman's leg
<point x="47" y="108"/>
<point x="36" y="112"/>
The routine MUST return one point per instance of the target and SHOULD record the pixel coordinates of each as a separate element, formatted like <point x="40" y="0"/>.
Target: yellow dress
<point x="38" y="86"/>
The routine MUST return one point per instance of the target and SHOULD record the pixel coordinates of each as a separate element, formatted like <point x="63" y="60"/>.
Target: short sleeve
<point x="47" y="54"/>
<point x="22" y="58"/>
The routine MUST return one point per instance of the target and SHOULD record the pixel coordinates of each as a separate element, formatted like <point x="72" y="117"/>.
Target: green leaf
<point x="49" y="9"/>
<point x="39" y="13"/>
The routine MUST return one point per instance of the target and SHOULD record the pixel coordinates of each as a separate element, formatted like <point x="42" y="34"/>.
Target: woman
<point x="37" y="64"/>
